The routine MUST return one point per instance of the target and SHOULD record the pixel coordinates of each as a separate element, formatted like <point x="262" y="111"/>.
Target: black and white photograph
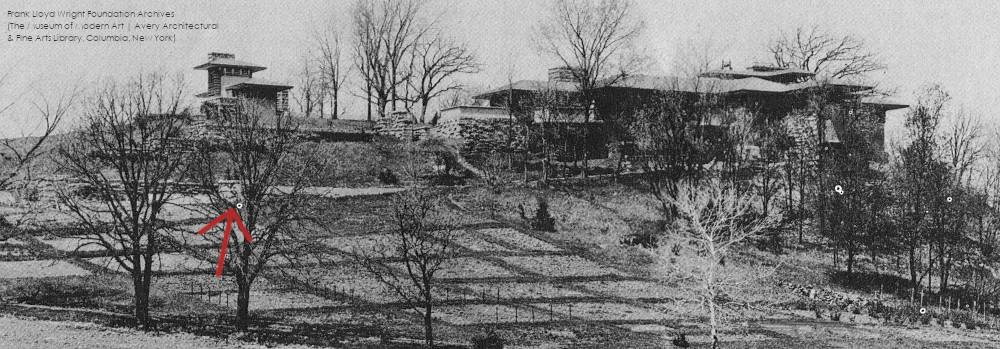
<point x="489" y="174"/>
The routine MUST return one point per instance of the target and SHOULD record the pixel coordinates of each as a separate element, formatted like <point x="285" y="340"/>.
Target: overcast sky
<point x="954" y="44"/>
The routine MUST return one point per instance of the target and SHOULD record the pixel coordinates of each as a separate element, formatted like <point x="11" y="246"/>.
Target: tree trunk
<point x="874" y="256"/>
<point x="368" y="97"/>
<point x="423" y="109"/>
<point x="335" y="114"/>
<point x="586" y="143"/>
<point x="942" y="278"/>
<point x="620" y="162"/>
<point x="930" y="264"/>
<point x="713" y="322"/>
<point x="789" y="182"/>
<point x="545" y="152"/>
<point x="243" y="305"/>
<point x="524" y="152"/>
<point x="428" y="324"/>
<point x="850" y="259"/>
<point x="141" y="277"/>
<point x="141" y="301"/>
<point x="802" y="196"/>
<point x="913" y="266"/>
<point x="763" y="191"/>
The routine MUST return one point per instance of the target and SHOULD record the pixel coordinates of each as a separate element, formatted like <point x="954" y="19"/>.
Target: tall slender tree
<point x="384" y="34"/>
<point x="334" y="72"/>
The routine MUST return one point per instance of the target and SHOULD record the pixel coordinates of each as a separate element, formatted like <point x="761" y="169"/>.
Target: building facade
<point x="766" y="94"/>
<point x="229" y="79"/>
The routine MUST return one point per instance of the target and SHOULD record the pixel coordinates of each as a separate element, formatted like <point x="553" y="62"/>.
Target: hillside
<point x="576" y="287"/>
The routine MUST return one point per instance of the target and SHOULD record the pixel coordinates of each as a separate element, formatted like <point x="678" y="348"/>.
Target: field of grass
<point x="577" y="287"/>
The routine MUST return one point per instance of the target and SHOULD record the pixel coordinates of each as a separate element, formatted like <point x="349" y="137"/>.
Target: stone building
<point x="229" y="78"/>
<point x="768" y="93"/>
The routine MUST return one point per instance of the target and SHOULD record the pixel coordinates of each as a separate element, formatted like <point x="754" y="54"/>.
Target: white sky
<point x="952" y="43"/>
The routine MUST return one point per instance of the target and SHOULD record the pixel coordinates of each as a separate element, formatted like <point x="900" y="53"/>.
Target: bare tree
<point x="698" y="55"/>
<point x="596" y="40"/>
<point x="964" y="146"/>
<point x="384" y="34"/>
<point x="272" y="170"/>
<point x="418" y="248"/>
<point x="334" y="72"/>
<point x="550" y="105"/>
<point x="671" y="142"/>
<point x="712" y="219"/>
<point x="19" y="156"/>
<point x="917" y="173"/>
<point x="128" y="152"/>
<point x="828" y="55"/>
<point x="461" y="95"/>
<point x="311" y="91"/>
<point x="434" y="61"/>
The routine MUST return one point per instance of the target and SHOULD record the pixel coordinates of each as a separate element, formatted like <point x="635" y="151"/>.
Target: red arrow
<point x="229" y="216"/>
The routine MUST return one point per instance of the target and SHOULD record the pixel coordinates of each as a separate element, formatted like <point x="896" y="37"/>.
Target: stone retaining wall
<point x="481" y="135"/>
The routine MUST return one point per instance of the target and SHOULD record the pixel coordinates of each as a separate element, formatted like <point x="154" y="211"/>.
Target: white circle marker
<point x="923" y="310"/>
<point x="839" y="189"/>
<point x="239" y="205"/>
<point x="949" y="199"/>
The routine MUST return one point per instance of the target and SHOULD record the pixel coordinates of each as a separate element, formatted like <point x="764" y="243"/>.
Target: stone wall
<point x="479" y="136"/>
<point x="402" y="127"/>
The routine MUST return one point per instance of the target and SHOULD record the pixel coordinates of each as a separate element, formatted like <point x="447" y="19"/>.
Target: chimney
<point x="562" y="74"/>
<point x="219" y="55"/>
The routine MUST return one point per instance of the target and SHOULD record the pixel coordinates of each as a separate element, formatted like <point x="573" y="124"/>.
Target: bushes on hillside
<point x="74" y="291"/>
<point x="543" y="220"/>
<point x="387" y="177"/>
<point x="487" y="340"/>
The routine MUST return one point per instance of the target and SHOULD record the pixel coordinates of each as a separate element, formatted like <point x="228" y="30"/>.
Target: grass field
<point x="574" y="288"/>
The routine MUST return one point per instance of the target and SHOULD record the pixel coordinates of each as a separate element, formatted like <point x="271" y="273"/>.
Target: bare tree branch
<point x="829" y="56"/>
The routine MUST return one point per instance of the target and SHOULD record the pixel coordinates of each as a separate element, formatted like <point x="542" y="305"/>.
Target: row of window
<point x="236" y="71"/>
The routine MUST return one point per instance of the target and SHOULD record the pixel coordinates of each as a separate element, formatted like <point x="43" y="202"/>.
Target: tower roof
<point x="216" y="59"/>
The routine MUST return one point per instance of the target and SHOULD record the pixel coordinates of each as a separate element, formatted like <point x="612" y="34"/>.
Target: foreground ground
<point x="574" y="288"/>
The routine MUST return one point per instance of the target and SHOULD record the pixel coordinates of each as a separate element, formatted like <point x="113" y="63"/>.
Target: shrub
<point x="447" y="179"/>
<point x="88" y="191"/>
<point x="74" y="291"/>
<point x="835" y="314"/>
<point x="487" y="340"/>
<point x="644" y="239"/>
<point x="32" y="194"/>
<point x="387" y="177"/>
<point x="543" y="220"/>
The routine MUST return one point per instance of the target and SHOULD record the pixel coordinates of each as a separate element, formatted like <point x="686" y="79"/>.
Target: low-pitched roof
<point x="530" y="85"/>
<point x="885" y="103"/>
<point x="690" y="85"/>
<point x="757" y="71"/>
<point x="713" y="85"/>
<point x="241" y="83"/>
<point x="229" y="62"/>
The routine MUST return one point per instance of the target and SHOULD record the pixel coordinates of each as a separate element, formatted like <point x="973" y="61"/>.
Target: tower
<point x="229" y="78"/>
